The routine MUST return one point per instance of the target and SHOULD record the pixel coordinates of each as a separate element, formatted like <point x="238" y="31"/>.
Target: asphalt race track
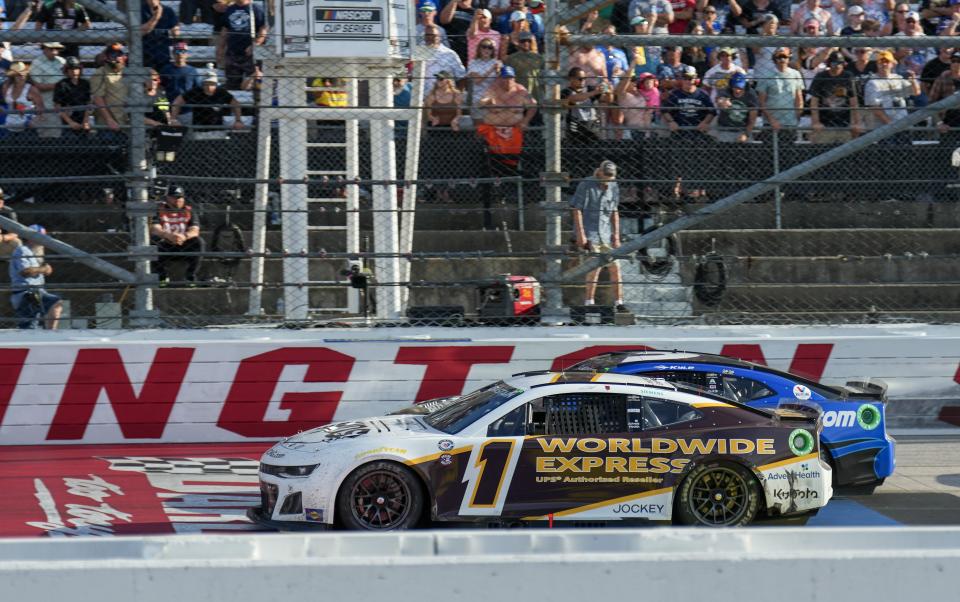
<point x="108" y="490"/>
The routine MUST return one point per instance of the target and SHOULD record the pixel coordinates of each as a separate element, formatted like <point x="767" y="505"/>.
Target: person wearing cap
<point x="110" y="89"/>
<point x="481" y="31"/>
<point x="62" y="15"/>
<point x="234" y="43"/>
<point x="32" y="304"/>
<point x="210" y="102"/>
<point x="456" y="17"/>
<point x="443" y="105"/>
<point x="657" y="13"/>
<point x="810" y="9"/>
<point x="781" y="94"/>
<point x="159" y="24"/>
<point x="886" y="94"/>
<point x="596" y="225"/>
<point x="736" y="111"/>
<point x="22" y="99"/>
<point x="426" y="17"/>
<point x="688" y="110"/>
<point x="8" y="240"/>
<point x="176" y="229"/>
<point x="510" y="22"/>
<point x="528" y="65"/>
<point x="717" y="78"/>
<point x="638" y="99"/>
<point x="436" y="58"/>
<point x="670" y="69"/>
<point x="72" y="97"/>
<point x="912" y="59"/>
<point x="178" y="76"/>
<point x="855" y="17"/>
<point x="45" y="72"/>
<point x="834" y="110"/>
<point x="507" y="110"/>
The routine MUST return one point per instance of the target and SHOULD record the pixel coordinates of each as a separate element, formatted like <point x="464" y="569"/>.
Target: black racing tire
<point x="380" y="496"/>
<point x="718" y="494"/>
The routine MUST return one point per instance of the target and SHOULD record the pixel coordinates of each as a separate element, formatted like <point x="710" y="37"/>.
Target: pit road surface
<point x="108" y="490"/>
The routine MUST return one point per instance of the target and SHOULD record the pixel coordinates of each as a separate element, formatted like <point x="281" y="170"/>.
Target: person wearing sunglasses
<point x="947" y="84"/>
<point x="781" y="94"/>
<point x="886" y="95"/>
<point x="481" y="32"/>
<point x="45" y="72"/>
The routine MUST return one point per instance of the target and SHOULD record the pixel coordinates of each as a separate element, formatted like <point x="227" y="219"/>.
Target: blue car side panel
<point x="860" y="455"/>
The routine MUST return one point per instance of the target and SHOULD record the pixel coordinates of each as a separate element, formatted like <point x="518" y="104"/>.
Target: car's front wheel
<point x="718" y="494"/>
<point x="380" y="496"/>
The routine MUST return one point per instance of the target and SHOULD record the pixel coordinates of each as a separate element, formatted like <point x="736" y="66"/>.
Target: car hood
<point x="352" y="430"/>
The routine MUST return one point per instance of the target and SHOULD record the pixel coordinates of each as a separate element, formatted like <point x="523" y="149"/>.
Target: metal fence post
<point x="143" y="314"/>
<point x="552" y="309"/>
<point x="776" y="171"/>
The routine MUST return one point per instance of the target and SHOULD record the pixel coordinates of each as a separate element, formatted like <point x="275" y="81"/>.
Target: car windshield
<point x="471" y="407"/>
<point x="600" y="363"/>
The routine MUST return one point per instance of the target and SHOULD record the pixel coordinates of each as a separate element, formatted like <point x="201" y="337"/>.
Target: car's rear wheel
<point x="380" y="496"/>
<point x="718" y="494"/>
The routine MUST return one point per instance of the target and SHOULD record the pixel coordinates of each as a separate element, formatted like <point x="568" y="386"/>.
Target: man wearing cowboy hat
<point x="45" y="72"/>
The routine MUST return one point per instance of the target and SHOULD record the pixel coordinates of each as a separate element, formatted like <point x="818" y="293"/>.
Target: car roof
<point x="655" y="355"/>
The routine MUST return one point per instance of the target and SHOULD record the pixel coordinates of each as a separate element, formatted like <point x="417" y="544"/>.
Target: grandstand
<point x="868" y="238"/>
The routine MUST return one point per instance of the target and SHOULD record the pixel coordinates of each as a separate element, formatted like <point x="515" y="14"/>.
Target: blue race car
<point x="854" y="427"/>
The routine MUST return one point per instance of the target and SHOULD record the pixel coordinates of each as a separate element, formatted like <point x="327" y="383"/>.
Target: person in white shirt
<point x="437" y="58"/>
<point x="45" y="72"/>
<point x="886" y="93"/>
<point x="717" y="78"/>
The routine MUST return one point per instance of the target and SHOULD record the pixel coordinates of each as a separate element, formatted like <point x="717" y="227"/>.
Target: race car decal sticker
<point x="657" y="505"/>
<point x="491" y="466"/>
<point x="313" y="514"/>
<point x="781" y="463"/>
<point x="432" y="457"/>
<point x="868" y="417"/>
<point x="801" y="442"/>
<point x="801" y="392"/>
<point x="446" y="459"/>
<point x="445" y="445"/>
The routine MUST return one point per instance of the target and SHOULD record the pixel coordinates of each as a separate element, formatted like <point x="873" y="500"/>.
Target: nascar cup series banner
<point x="260" y="385"/>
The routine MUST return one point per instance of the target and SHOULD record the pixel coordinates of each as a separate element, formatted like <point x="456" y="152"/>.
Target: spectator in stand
<point x="61" y="15"/>
<point x="426" y="17"/>
<point x="437" y="58"/>
<point x="443" y="103"/>
<point x="725" y="14"/>
<point x="178" y="77"/>
<point x="28" y="271"/>
<point x="861" y="68"/>
<point x="332" y="92"/>
<point x="176" y="229"/>
<point x="637" y="99"/>
<point x="528" y="64"/>
<point x="616" y="59"/>
<point x="236" y="41"/>
<point x="480" y="31"/>
<point x="109" y="89"/>
<point x="670" y="68"/>
<point x="159" y="114"/>
<point x="886" y="94"/>
<point x="520" y="12"/>
<point x="582" y="118"/>
<point x="897" y="23"/>
<point x="511" y="43"/>
<point x="872" y="29"/>
<point x="683" y="14"/>
<point x="456" y="17"/>
<point x="834" y="111"/>
<point x="591" y="61"/>
<point x="810" y="9"/>
<point x="947" y="84"/>
<point x="781" y="96"/>
<point x="483" y="70"/>
<point x="912" y="59"/>
<point x="697" y="57"/>
<point x="508" y="109"/>
<point x="647" y="57"/>
<point x="937" y="14"/>
<point x="718" y="77"/>
<point x="209" y="101"/>
<point x="596" y="225"/>
<point x="21" y="98"/>
<point x="9" y="241"/>
<point x="877" y="11"/>
<point x="688" y="110"/>
<point x="658" y="13"/>
<point x="763" y="66"/>
<point x="72" y="98"/>
<point x="159" y="25"/>
<point x="402" y="94"/>
<point x="45" y="72"/>
<point x="812" y="60"/>
<point x="754" y="14"/>
<point x="934" y="67"/>
<point x="736" y="111"/>
<point x="855" y="18"/>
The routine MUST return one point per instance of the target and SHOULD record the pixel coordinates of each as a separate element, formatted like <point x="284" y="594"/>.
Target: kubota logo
<point x="795" y="494"/>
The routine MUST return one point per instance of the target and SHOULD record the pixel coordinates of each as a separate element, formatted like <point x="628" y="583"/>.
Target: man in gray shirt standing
<point x="596" y="224"/>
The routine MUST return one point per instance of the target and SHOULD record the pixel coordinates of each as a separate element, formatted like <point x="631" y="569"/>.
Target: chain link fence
<point x="312" y="210"/>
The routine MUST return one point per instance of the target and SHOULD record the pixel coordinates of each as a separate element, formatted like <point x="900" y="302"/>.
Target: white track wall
<point x="657" y="564"/>
<point x="239" y="385"/>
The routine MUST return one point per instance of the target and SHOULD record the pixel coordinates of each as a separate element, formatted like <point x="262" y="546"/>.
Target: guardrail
<point x="684" y="564"/>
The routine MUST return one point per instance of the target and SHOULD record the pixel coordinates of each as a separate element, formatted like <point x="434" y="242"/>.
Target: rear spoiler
<point x="870" y="388"/>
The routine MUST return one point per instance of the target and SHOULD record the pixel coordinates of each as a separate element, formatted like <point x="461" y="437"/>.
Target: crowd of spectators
<point x="823" y="94"/>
